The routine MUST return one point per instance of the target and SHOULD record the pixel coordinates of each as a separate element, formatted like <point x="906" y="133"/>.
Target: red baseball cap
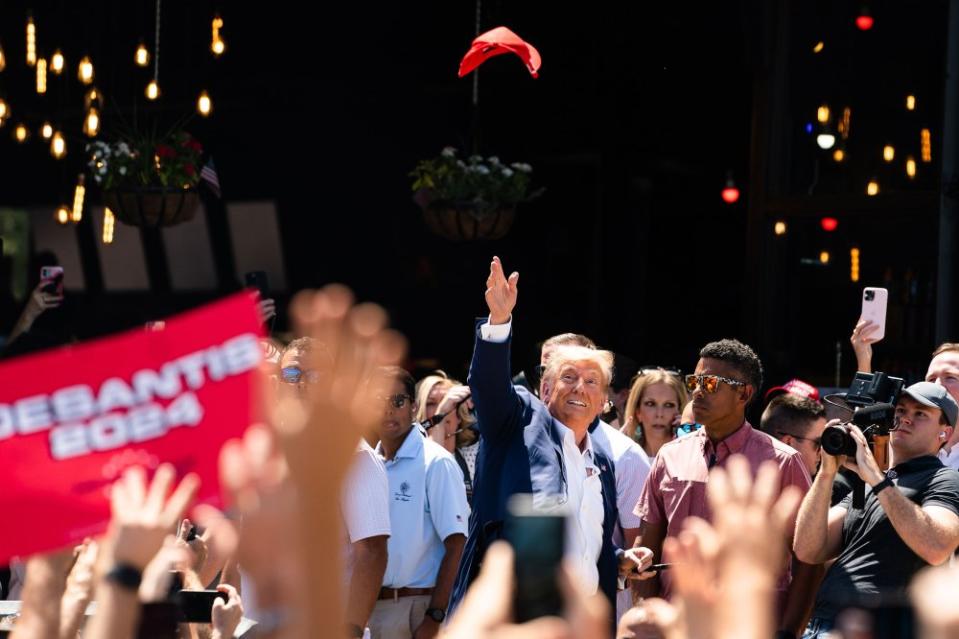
<point x="796" y="387"/>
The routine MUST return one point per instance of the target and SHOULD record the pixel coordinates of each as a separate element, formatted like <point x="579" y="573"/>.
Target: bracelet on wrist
<point x="125" y="575"/>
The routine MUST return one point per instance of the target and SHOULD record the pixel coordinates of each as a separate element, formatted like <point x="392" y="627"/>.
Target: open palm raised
<point x="500" y="292"/>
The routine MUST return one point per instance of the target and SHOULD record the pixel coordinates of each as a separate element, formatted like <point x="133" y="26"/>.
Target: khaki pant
<point x="399" y="618"/>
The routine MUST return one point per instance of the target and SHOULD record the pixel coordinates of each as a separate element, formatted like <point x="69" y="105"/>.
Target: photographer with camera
<point x="910" y="518"/>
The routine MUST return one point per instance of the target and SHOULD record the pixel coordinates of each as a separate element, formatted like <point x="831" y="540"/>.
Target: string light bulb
<point x="910" y="167"/>
<point x="925" y="139"/>
<point x="153" y="90"/>
<point x="217" y="45"/>
<point x="21" y="133"/>
<point x="93" y="98"/>
<point x="888" y="153"/>
<point x="838" y="155"/>
<point x="58" y="145"/>
<point x="779" y="228"/>
<point x="85" y="70"/>
<point x="854" y="264"/>
<point x="108" y="223"/>
<point x="31" y="42"/>
<point x="91" y="124"/>
<point x="822" y="114"/>
<point x="843" y="126"/>
<point x="818" y="47"/>
<point x="872" y="188"/>
<point x="824" y="257"/>
<point x="4" y="109"/>
<point x="77" y="213"/>
<point x="62" y="214"/>
<point x="57" y="62"/>
<point x="41" y="76"/>
<point x="3" y="59"/>
<point x="46" y="131"/>
<point x="204" y="105"/>
<point x="910" y="103"/>
<point x="142" y="56"/>
<point x="825" y="140"/>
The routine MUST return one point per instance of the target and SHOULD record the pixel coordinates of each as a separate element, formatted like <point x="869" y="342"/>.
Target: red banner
<point x="72" y="419"/>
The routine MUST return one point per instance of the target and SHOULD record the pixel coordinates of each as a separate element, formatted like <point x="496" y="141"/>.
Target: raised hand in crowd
<point x="501" y="293"/>
<point x="143" y="516"/>
<point x="46" y="577"/>
<point x="267" y="309"/>
<point x="653" y="618"/>
<point x="38" y="303"/>
<point x="79" y="588"/>
<point x="862" y="339"/>
<point x="226" y="616"/>
<point x="486" y="611"/>
<point x="933" y="595"/>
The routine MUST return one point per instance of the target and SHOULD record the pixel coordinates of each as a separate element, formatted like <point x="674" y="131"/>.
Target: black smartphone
<point x="196" y="606"/>
<point x="538" y="538"/>
<point x="657" y="568"/>
<point x="257" y="280"/>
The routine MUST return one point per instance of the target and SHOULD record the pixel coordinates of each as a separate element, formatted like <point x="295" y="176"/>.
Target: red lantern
<point x="864" y="21"/>
<point x="829" y="224"/>
<point x="730" y="194"/>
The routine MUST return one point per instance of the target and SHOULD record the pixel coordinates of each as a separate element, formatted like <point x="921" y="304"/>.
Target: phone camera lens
<point x="870" y="295"/>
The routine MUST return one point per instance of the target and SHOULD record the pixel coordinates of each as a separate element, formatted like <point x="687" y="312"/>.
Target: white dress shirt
<point x="584" y="530"/>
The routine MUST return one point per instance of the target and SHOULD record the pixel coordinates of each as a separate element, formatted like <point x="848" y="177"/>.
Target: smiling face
<point x="576" y="394"/>
<point x="944" y="369"/>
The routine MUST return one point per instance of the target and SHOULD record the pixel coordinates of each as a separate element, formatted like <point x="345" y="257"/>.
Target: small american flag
<point x="208" y="175"/>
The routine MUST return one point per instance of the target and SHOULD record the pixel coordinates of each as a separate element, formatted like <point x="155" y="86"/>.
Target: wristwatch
<point x="436" y="614"/>
<point x="125" y="575"/>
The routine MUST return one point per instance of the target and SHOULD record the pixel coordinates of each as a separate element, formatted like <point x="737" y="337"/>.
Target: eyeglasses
<point x="669" y="370"/>
<point x="296" y="375"/>
<point x="686" y="429"/>
<point x="816" y="443"/>
<point x="709" y="383"/>
<point x="396" y="401"/>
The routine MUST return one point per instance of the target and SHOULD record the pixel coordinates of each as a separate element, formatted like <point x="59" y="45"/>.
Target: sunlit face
<point x="944" y="370"/>
<point x="657" y="410"/>
<point x="918" y="431"/>
<point x="727" y="404"/>
<point x="808" y="446"/>
<point x="577" y="393"/>
<point x="435" y="397"/>
<point x="395" y="421"/>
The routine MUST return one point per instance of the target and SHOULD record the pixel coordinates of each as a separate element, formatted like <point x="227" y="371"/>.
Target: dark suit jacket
<point x="521" y="451"/>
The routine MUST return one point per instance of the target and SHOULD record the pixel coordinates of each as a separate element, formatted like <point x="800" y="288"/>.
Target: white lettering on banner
<point x="116" y="430"/>
<point x="85" y="420"/>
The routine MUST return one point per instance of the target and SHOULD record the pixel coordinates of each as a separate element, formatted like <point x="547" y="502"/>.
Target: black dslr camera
<point x="872" y="398"/>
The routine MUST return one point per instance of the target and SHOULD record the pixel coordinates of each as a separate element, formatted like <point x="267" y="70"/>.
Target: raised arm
<point x="490" y="376"/>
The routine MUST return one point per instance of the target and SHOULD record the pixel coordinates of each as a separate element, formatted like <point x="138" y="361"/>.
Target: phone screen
<point x="196" y="606"/>
<point x="538" y="541"/>
<point x="257" y="280"/>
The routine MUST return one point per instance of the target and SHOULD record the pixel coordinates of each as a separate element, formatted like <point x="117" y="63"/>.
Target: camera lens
<point x="836" y="441"/>
<point x="870" y="296"/>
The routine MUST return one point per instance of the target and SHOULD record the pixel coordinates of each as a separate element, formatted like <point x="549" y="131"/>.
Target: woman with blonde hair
<point x="653" y="409"/>
<point x="438" y="394"/>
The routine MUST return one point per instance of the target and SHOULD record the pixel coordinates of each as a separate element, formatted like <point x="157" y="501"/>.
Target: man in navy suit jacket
<point x="539" y="447"/>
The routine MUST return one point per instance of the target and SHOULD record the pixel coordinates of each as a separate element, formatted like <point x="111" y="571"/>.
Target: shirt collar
<point x="410" y="448"/>
<point x="917" y="464"/>
<point x="732" y="444"/>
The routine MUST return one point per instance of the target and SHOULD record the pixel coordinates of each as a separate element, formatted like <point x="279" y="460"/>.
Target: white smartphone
<point x="874" y="309"/>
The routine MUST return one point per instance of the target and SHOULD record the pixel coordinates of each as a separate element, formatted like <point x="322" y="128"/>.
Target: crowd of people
<point x="371" y="504"/>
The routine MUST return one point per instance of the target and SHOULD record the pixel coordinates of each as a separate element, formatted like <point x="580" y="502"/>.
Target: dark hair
<point x="399" y="374"/>
<point x="791" y="414"/>
<point x="740" y="356"/>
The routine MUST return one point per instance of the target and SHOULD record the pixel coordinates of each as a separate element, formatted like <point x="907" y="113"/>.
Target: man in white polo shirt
<point x="428" y="516"/>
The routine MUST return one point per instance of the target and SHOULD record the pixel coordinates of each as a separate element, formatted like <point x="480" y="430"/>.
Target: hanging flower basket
<point x="152" y="207"/>
<point x="464" y="222"/>
<point x="472" y="199"/>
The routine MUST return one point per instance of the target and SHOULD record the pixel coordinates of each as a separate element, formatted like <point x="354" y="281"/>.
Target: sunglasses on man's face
<point x="296" y="375"/>
<point x="396" y="401"/>
<point x="709" y="384"/>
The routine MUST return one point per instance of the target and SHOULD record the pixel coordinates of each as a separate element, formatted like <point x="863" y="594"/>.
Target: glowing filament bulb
<point x="819" y="47"/>
<point x="21" y="133"/>
<point x="4" y="109"/>
<point x="46" y="131"/>
<point x="62" y="215"/>
<point x="31" y="42"/>
<point x="925" y="138"/>
<point x="203" y="104"/>
<point x="3" y="60"/>
<point x="839" y="155"/>
<point x="872" y="188"/>
<point x="854" y="264"/>
<point x="779" y="228"/>
<point x="142" y="56"/>
<point x="56" y="62"/>
<point x="217" y="46"/>
<point x="888" y="153"/>
<point x="91" y="125"/>
<point x="822" y="114"/>
<point x="153" y="90"/>
<point x="844" y="123"/>
<point x="58" y="146"/>
<point x="108" y="222"/>
<point x="910" y="167"/>
<point x="92" y="96"/>
<point x="910" y="103"/>
<point x="42" y="75"/>
<point x="824" y="257"/>
<point x="77" y="213"/>
<point x="85" y="70"/>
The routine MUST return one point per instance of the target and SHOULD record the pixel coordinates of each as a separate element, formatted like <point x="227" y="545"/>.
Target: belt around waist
<point x="396" y="593"/>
